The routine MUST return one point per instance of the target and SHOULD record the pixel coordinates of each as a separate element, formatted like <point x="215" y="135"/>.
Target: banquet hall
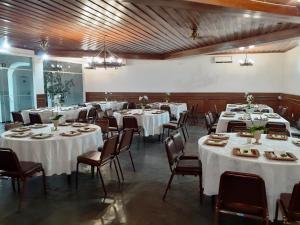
<point x="138" y="112"/>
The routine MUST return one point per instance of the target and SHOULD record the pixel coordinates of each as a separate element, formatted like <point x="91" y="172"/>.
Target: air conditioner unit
<point x="223" y="59"/>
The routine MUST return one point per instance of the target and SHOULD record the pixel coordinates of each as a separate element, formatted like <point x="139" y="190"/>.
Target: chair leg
<point x="201" y="188"/>
<point x="13" y="184"/>
<point x="93" y="171"/>
<point x="163" y="135"/>
<point x="187" y="133"/>
<point x="169" y="184"/>
<point x="216" y="218"/>
<point x="131" y="160"/>
<point x="76" y="178"/>
<point x="183" y="134"/>
<point x="102" y="181"/>
<point x="119" y="181"/>
<point x="44" y="182"/>
<point x="21" y="194"/>
<point x="118" y="161"/>
<point x="276" y="212"/>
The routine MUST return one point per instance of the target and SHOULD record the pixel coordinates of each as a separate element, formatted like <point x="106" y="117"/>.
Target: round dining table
<point x="151" y="120"/>
<point x="58" y="154"/>
<point x="279" y="176"/>
<point x="176" y="108"/>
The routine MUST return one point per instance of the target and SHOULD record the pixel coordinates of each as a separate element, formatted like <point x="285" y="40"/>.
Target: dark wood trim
<point x="41" y="100"/>
<point x="205" y="101"/>
<point x="293" y="104"/>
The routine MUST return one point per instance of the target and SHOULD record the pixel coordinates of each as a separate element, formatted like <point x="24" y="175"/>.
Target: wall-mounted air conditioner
<point x="222" y="59"/>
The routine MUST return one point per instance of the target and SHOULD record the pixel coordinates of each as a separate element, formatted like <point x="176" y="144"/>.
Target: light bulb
<point x="120" y="60"/>
<point x="45" y="56"/>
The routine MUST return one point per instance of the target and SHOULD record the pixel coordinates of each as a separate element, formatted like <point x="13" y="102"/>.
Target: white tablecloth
<point x="151" y="123"/>
<point x="69" y="113"/>
<point x="58" y="154"/>
<point x="176" y="108"/>
<point x="259" y="107"/>
<point x="223" y="121"/>
<point x="114" y="105"/>
<point x="279" y="176"/>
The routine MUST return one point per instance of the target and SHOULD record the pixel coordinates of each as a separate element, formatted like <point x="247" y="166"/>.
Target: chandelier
<point x="104" y="59"/>
<point x="246" y="61"/>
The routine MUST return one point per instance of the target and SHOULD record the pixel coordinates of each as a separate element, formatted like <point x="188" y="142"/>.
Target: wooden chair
<point x="92" y="115"/>
<point x="180" y="147"/>
<point x="232" y="124"/>
<point x="10" y="166"/>
<point x="209" y="126"/>
<point x="104" y="124"/>
<point x="242" y="194"/>
<point x="35" y="118"/>
<point x="175" y="126"/>
<point x="130" y="122"/>
<point x="289" y="205"/>
<point x="17" y="117"/>
<point x="99" y="159"/>
<point x="276" y="128"/>
<point x="124" y="146"/>
<point x="181" y="166"/>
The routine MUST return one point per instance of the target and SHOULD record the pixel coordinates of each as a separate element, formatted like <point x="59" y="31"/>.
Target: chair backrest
<point x="172" y="152"/>
<point x="242" y="192"/>
<point x="9" y="162"/>
<point x="283" y="111"/>
<point x="192" y="110"/>
<point x="294" y="205"/>
<point x="109" y="148"/>
<point x="276" y="128"/>
<point x="207" y="121"/>
<point x="97" y="106"/>
<point x="275" y="125"/>
<point x="82" y="115"/>
<point x="109" y="112"/>
<point x="17" y="117"/>
<point x="126" y="140"/>
<point x="82" y="105"/>
<point x="103" y="123"/>
<point x="125" y="105"/>
<point x="112" y="121"/>
<point x="35" y="118"/>
<point x="178" y="141"/>
<point x="100" y="114"/>
<point x="211" y="117"/>
<point x="166" y="108"/>
<point x="233" y="123"/>
<point x="265" y="110"/>
<point x="131" y="105"/>
<point x="9" y="126"/>
<point x="92" y="113"/>
<point x="237" y="110"/>
<point x="236" y="129"/>
<point x="186" y="117"/>
<point x="181" y="119"/>
<point x="130" y="122"/>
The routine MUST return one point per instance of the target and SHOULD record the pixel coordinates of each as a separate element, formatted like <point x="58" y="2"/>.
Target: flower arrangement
<point x="257" y="130"/>
<point x="168" y="94"/>
<point x="57" y="100"/>
<point x="249" y="99"/>
<point x="143" y="100"/>
<point x="107" y="95"/>
<point x="55" y="120"/>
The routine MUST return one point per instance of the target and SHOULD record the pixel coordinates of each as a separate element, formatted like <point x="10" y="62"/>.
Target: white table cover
<point x="114" y="105"/>
<point x="279" y="176"/>
<point x="151" y="123"/>
<point x="260" y="107"/>
<point x="58" y="154"/>
<point x="176" y="108"/>
<point x="223" y="121"/>
<point x="69" y="113"/>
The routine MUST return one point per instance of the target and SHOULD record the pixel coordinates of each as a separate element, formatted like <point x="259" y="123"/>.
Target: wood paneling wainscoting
<point x="205" y="101"/>
<point x="293" y="104"/>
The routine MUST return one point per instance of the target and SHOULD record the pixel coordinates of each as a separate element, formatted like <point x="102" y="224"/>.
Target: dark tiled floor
<point x="136" y="202"/>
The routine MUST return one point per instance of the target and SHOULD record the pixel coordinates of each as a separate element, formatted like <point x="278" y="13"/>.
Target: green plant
<point x="57" y="117"/>
<point x="253" y="129"/>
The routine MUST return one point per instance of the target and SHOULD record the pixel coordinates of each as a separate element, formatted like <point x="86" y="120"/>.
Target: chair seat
<point x="91" y="158"/>
<point x="189" y="156"/>
<point x="243" y="208"/>
<point x="188" y="165"/>
<point x="27" y="168"/>
<point x="114" y="129"/>
<point x="170" y="126"/>
<point x="285" y="200"/>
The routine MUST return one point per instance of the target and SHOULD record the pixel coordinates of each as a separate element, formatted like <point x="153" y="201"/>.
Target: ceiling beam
<point x="255" y="8"/>
<point x="82" y="53"/>
<point x="224" y="46"/>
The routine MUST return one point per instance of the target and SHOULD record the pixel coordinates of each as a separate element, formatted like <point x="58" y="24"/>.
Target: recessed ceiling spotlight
<point x="241" y="48"/>
<point x="247" y="15"/>
<point x="5" y="44"/>
<point x="251" y="46"/>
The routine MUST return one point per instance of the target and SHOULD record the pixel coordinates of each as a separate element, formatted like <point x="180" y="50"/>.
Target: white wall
<point x="291" y="74"/>
<point x="190" y="74"/>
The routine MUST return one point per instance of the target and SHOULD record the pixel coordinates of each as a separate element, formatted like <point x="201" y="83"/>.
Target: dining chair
<point x="233" y="123"/>
<point x="277" y="128"/>
<point x="35" y="118"/>
<point x="104" y="124"/>
<point x="82" y="105"/>
<point x="100" y="114"/>
<point x="97" y="106"/>
<point x="289" y="206"/>
<point x="113" y="125"/>
<point x="130" y="122"/>
<point x="92" y="115"/>
<point x="124" y="146"/>
<point x="213" y="120"/>
<point x="168" y="109"/>
<point x="175" y="126"/>
<point x="237" y="110"/>
<point x="265" y="111"/>
<point x="17" y="117"/>
<point x="99" y="159"/>
<point x="109" y="113"/>
<point x="242" y="194"/>
<point x="282" y="111"/>
<point x="209" y="126"/>
<point x="131" y="105"/>
<point x="125" y="105"/>
<point x="10" y="166"/>
<point x="9" y="126"/>
<point x="176" y="137"/>
<point x="181" y="166"/>
<point x="81" y="117"/>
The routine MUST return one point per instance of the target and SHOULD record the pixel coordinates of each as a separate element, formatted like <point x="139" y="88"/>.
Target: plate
<point x="79" y="124"/>
<point x="20" y="129"/>
<point x="21" y="134"/>
<point x="219" y="136"/>
<point x="38" y="126"/>
<point x="282" y="156"/>
<point x="87" y="129"/>
<point x="41" y="136"/>
<point x="277" y="137"/>
<point x="215" y="142"/>
<point x="296" y="142"/>
<point x="64" y="124"/>
<point x="70" y="133"/>
<point x="252" y="153"/>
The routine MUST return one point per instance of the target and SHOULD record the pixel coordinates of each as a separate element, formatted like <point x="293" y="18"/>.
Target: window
<point x="65" y="79"/>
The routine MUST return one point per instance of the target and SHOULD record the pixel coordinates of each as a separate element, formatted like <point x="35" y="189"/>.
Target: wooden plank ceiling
<point x="145" y="29"/>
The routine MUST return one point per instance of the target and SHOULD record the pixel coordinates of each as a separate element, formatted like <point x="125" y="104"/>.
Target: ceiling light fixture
<point x="246" y="61"/>
<point x="5" y="43"/>
<point x="251" y="46"/>
<point x="242" y="48"/>
<point x="44" y="45"/>
<point x="104" y="59"/>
